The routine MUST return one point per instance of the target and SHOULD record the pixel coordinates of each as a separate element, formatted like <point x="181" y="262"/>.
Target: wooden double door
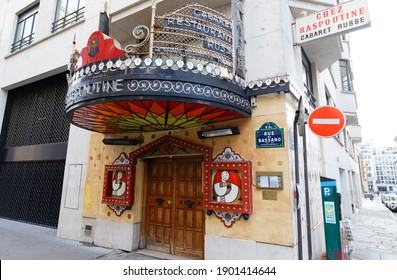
<point x="174" y="208"/>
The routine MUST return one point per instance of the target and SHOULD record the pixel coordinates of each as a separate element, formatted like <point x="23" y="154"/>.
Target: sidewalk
<point x="374" y="230"/>
<point x="21" y="241"/>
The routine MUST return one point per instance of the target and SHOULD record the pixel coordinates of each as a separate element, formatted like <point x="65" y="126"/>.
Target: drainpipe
<point x="300" y="126"/>
<point x="307" y="195"/>
<point x="297" y="179"/>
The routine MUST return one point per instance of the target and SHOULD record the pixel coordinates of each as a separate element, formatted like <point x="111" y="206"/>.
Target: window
<point x="328" y="98"/>
<point x="346" y="75"/>
<point x="307" y="78"/>
<point x="67" y="12"/>
<point x="26" y="26"/>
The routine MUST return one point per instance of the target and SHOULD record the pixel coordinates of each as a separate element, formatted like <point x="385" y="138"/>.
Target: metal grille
<point x="207" y="37"/>
<point x="194" y="31"/>
<point x="36" y="113"/>
<point x="31" y="191"/>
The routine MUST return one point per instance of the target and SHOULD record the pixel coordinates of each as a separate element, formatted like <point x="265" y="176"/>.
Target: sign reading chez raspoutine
<point x="337" y="20"/>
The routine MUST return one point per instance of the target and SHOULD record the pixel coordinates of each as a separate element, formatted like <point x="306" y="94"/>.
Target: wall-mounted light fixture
<point x="123" y="141"/>
<point x="218" y="132"/>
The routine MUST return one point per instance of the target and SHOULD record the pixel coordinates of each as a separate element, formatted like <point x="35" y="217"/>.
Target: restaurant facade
<point x="174" y="126"/>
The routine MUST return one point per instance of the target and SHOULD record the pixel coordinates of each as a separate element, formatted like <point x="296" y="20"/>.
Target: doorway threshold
<point x="161" y="255"/>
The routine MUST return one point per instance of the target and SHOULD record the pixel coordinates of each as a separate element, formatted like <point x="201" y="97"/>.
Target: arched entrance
<point x="173" y="219"/>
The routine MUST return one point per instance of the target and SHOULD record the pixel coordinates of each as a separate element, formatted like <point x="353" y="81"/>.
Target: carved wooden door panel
<point x="175" y="217"/>
<point x="159" y="205"/>
<point x="189" y="214"/>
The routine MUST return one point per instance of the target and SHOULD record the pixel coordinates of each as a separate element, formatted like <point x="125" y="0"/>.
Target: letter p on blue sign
<point x="327" y="191"/>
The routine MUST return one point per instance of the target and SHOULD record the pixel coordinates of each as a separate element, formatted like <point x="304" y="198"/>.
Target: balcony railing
<point x="67" y="20"/>
<point x="22" y="43"/>
<point x="310" y="96"/>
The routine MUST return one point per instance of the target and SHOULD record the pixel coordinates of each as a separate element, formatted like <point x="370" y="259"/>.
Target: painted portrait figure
<point x="119" y="183"/>
<point x="227" y="186"/>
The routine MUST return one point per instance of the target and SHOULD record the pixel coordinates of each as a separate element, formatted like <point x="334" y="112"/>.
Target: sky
<point x="374" y="58"/>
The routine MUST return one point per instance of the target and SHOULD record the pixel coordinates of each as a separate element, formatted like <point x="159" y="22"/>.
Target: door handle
<point x="189" y="203"/>
<point x="159" y="201"/>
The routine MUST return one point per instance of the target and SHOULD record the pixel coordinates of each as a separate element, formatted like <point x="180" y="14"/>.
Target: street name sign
<point x="326" y="121"/>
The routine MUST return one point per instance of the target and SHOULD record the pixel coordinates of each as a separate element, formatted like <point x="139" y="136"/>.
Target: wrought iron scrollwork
<point x="142" y="33"/>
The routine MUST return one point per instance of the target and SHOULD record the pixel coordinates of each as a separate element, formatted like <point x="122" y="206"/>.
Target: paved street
<point x="374" y="232"/>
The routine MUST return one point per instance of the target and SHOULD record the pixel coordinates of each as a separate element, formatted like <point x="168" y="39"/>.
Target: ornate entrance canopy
<point x="162" y="84"/>
<point x="143" y="99"/>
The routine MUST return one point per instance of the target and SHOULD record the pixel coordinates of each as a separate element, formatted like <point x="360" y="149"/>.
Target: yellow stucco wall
<point x="271" y="221"/>
<point x="99" y="156"/>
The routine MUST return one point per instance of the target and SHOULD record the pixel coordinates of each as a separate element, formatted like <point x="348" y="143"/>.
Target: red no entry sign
<point x="326" y="121"/>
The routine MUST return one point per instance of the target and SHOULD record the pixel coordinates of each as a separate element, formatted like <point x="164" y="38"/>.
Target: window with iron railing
<point x="26" y="26"/>
<point x="310" y="96"/>
<point x="67" y="13"/>
<point x="307" y="79"/>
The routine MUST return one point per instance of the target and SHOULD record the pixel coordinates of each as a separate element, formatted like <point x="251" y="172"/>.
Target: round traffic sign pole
<point x="326" y="121"/>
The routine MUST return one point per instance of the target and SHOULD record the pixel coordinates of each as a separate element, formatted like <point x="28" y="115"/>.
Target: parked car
<point x="391" y="201"/>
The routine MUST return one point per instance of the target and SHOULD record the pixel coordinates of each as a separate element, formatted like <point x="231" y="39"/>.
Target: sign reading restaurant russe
<point x="195" y="31"/>
<point x="337" y="20"/>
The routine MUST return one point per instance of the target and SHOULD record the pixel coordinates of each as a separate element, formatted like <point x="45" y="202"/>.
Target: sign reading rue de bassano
<point x="269" y="136"/>
<point x="337" y="20"/>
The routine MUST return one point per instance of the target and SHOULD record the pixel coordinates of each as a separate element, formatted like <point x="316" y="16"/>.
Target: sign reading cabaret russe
<point x="195" y="31"/>
<point x="337" y="20"/>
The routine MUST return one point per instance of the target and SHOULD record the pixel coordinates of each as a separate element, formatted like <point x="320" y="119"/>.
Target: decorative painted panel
<point x="118" y="192"/>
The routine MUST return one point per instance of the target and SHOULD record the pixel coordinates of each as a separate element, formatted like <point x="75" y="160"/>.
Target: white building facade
<point x="62" y="167"/>
<point x="380" y="165"/>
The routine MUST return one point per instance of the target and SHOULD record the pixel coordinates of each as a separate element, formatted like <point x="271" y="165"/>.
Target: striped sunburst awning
<point x="148" y="115"/>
